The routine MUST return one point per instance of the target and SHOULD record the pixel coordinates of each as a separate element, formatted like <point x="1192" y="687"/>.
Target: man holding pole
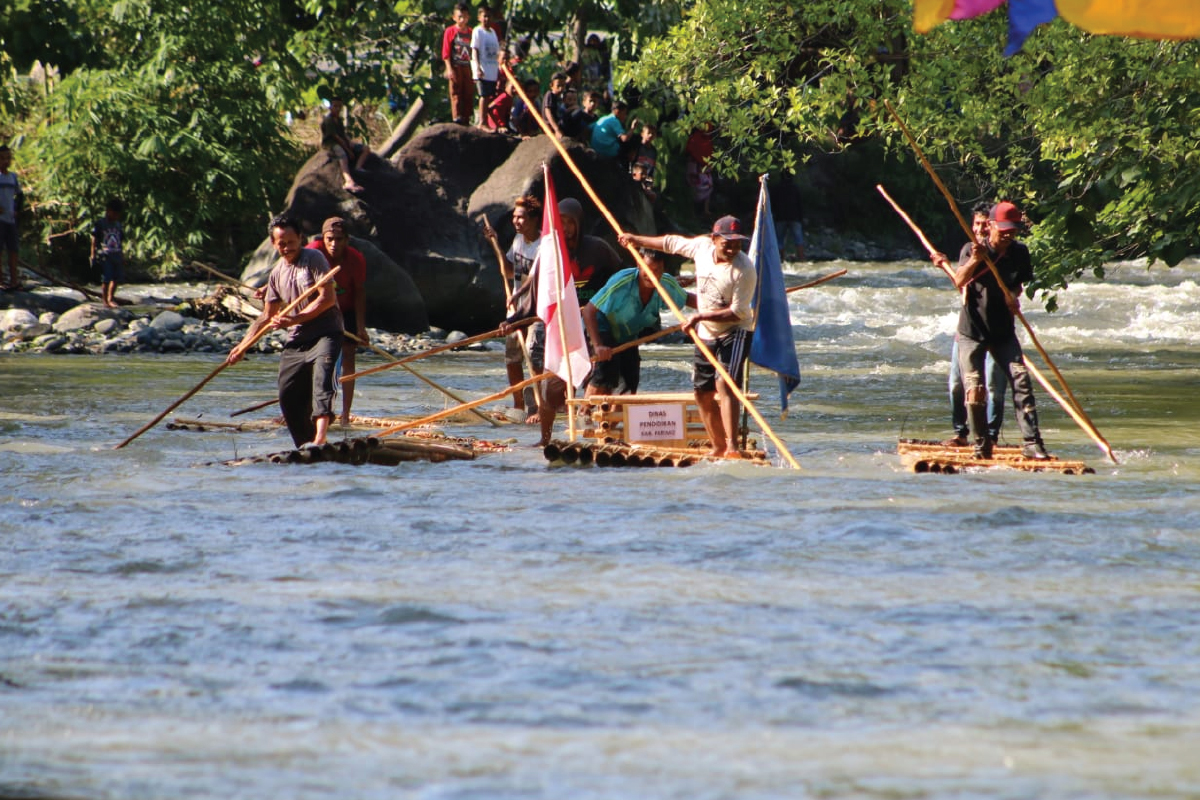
<point x="725" y="280"/>
<point x="314" y="334"/>
<point x="986" y="325"/>
<point x="625" y="306"/>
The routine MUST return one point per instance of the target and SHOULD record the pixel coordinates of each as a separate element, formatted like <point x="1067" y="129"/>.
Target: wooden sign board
<point x="663" y="424"/>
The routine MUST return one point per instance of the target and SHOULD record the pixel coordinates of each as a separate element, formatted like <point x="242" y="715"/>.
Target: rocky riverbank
<point x="155" y="325"/>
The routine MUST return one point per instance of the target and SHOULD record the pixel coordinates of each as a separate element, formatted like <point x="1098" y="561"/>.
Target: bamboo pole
<point x="83" y="290"/>
<point x="380" y="351"/>
<point x="374" y="349"/>
<point x="1079" y="419"/>
<point x="254" y="407"/>
<point x="261" y="333"/>
<point x="1007" y="294"/>
<point x="817" y="282"/>
<point x="1075" y="413"/>
<point x="427" y="353"/>
<point x="537" y="389"/>
<point x="449" y="412"/>
<point x="658" y="287"/>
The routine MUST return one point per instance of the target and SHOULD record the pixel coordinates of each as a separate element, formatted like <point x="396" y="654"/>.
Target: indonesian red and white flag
<point x="567" y="359"/>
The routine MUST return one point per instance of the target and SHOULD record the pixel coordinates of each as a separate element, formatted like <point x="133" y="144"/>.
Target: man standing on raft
<point x="725" y="281"/>
<point x="314" y="334"/>
<point x="987" y="324"/>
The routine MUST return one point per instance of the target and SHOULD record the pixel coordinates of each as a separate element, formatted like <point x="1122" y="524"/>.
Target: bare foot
<point x="532" y="419"/>
<point x="353" y="188"/>
<point x="344" y="420"/>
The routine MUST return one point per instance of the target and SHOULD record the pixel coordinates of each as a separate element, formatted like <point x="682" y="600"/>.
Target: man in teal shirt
<point x="624" y="308"/>
<point x="609" y="132"/>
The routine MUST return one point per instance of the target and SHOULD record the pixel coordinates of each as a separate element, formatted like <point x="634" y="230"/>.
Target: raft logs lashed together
<point x="924" y="456"/>
<point x="621" y="454"/>
<point x="364" y="450"/>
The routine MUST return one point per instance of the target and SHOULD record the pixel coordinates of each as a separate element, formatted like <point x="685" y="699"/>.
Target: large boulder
<point x="424" y="211"/>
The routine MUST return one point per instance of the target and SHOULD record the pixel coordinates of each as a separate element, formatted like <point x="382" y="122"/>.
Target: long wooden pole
<point x="1072" y="411"/>
<point x="650" y="337"/>
<point x="380" y="351"/>
<point x="83" y="290"/>
<point x="449" y="412"/>
<point x="641" y="262"/>
<point x="377" y="350"/>
<point x="254" y="407"/>
<point x="427" y="353"/>
<point x="254" y="340"/>
<point x="817" y="282"/>
<point x="991" y="265"/>
<point x="521" y="340"/>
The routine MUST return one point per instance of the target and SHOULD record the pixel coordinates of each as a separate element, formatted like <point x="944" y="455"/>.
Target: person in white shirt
<point x="485" y="61"/>
<point x="725" y="282"/>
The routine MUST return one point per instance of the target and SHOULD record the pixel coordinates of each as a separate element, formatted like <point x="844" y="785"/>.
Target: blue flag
<point x="773" y="346"/>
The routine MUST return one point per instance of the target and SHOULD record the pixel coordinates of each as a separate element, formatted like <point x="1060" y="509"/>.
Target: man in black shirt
<point x="987" y="324"/>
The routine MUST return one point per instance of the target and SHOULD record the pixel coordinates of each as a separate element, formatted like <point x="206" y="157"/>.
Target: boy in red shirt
<point x="456" y="53"/>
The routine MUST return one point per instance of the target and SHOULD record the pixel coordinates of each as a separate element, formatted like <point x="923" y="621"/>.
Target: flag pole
<point x="641" y="262"/>
<point x="1072" y="411"/>
<point x="562" y="323"/>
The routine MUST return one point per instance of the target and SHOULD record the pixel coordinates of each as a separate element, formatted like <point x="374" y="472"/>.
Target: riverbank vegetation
<point x="182" y="111"/>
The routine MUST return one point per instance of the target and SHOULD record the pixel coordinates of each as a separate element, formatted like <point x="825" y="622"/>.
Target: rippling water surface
<point x="501" y="629"/>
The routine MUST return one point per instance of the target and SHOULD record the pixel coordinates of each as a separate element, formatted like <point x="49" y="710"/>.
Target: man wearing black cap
<point x="725" y="281"/>
<point x="351" y="281"/>
<point x="987" y="324"/>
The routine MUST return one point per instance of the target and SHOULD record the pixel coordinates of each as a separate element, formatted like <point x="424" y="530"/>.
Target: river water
<point x="503" y="629"/>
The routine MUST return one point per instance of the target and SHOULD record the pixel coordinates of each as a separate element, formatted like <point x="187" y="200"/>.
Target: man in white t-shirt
<point x="516" y="266"/>
<point x="485" y="61"/>
<point x="725" y="281"/>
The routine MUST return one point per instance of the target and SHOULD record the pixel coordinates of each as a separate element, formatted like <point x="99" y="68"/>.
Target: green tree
<point x="1084" y="131"/>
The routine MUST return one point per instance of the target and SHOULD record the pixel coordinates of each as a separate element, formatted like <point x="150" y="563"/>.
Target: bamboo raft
<point x="364" y="450"/>
<point x="623" y="454"/>
<point x="922" y="456"/>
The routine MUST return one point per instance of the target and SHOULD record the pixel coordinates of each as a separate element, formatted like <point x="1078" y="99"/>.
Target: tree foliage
<point x="1084" y="131"/>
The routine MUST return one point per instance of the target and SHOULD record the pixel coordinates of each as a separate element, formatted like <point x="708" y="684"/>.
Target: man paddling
<point x="624" y="308"/>
<point x="996" y="381"/>
<point x="725" y="280"/>
<point x="986" y="324"/>
<point x="314" y="334"/>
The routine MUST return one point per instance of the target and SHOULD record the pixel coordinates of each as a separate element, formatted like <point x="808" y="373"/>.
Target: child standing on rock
<point x="10" y="205"/>
<point x="108" y="237"/>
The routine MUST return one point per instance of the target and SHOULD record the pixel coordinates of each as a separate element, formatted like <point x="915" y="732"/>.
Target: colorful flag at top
<point x="566" y="348"/>
<point x="1146" y="19"/>
<point x="773" y="346"/>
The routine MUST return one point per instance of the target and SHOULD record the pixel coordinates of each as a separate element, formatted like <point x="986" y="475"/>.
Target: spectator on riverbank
<point x="11" y="199"/>
<point x="596" y="67"/>
<point x="108" y="250"/>
<point x="456" y="55"/>
<point x="351" y="283"/>
<point x="552" y="102"/>
<point x="523" y="120"/>
<point x="609" y="134"/>
<point x="579" y="121"/>
<point x="485" y="61"/>
<point x="339" y="145"/>
<point x="314" y="335"/>
<point x="499" y="110"/>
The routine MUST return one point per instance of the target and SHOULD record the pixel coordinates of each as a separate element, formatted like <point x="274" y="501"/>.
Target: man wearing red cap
<point x="987" y="324"/>
<point x="725" y="281"/>
<point x="351" y="281"/>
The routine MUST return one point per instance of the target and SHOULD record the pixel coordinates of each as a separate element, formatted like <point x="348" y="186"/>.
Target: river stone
<point x="106" y="326"/>
<point x="49" y="318"/>
<point x="168" y="321"/>
<point x="455" y="336"/>
<point x="15" y="318"/>
<point x="148" y="336"/>
<point x="33" y="332"/>
<point x="172" y="345"/>
<point x="83" y="316"/>
<point x="50" y="342"/>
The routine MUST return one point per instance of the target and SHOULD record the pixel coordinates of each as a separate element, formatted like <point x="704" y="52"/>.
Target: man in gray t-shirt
<point x="314" y="334"/>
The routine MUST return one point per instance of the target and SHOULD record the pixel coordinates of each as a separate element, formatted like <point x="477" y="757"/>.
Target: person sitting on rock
<point x="339" y="145"/>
